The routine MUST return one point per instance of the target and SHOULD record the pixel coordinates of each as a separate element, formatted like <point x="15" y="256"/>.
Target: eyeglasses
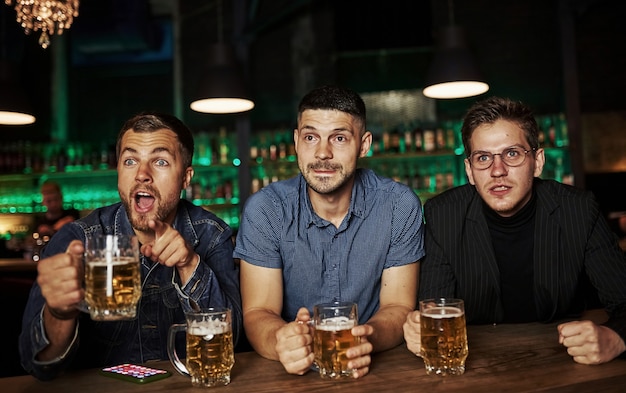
<point x="512" y="156"/>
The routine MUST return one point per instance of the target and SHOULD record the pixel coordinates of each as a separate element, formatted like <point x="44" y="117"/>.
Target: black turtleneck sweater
<point x="512" y="239"/>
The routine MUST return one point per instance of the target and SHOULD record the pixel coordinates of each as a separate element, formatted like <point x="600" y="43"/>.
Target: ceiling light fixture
<point x="222" y="89"/>
<point x="49" y="16"/>
<point x="14" y="107"/>
<point x="453" y="72"/>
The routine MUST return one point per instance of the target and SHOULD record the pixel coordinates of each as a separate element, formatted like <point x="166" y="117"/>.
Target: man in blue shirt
<point x="186" y="261"/>
<point x="332" y="233"/>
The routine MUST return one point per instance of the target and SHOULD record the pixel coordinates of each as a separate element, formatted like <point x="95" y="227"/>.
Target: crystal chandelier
<point x="49" y="16"/>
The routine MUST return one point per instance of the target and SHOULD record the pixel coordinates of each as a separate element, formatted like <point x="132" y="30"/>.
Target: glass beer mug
<point x="443" y="335"/>
<point x="112" y="277"/>
<point x="332" y="323"/>
<point x="210" y="352"/>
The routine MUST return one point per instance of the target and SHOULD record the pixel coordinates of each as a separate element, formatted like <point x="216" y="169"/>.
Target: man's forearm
<point x="261" y="328"/>
<point x="60" y="333"/>
<point x="387" y="324"/>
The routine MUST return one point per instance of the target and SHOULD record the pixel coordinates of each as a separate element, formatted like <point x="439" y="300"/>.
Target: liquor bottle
<point x="429" y="140"/>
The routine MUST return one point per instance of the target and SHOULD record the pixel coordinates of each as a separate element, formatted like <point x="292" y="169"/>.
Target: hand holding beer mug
<point x="210" y="353"/>
<point x="333" y="323"/>
<point x="112" y="277"/>
<point x="443" y="336"/>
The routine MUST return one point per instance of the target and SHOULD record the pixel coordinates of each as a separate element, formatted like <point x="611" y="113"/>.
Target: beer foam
<point x="115" y="262"/>
<point x="208" y="328"/>
<point x="443" y="312"/>
<point x="335" y="323"/>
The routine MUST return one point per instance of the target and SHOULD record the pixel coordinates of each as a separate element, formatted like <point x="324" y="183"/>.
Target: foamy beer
<point x="210" y="353"/>
<point x="333" y="323"/>
<point x="443" y="336"/>
<point x="112" y="276"/>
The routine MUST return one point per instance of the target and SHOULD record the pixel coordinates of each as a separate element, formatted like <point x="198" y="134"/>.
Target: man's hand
<point x="589" y="343"/>
<point x="294" y="344"/>
<point x="412" y="331"/>
<point x="61" y="280"/>
<point x="169" y="248"/>
<point x="360" y="356"/>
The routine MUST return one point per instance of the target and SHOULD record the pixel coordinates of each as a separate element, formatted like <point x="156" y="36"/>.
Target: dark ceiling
<point x="124" y="56"/>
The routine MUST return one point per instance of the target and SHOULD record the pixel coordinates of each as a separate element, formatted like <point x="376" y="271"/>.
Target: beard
<point x="139" y="221"/>
<point x="324" y="184"/>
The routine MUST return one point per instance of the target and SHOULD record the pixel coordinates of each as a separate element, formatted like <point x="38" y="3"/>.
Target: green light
<point x="236" y="162"/>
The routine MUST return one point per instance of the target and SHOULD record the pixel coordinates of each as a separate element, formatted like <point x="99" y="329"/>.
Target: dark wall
<point x="294" y="45"/>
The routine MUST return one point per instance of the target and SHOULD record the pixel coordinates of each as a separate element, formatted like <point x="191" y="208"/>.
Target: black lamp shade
<point x="222" y="88"/>
<point x="14" y="106"/>
<point x="453" y="72"/>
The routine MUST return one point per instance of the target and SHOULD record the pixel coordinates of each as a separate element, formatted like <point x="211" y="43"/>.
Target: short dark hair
<point x="492" y="109"/>
<point x="334" y="97"/>
<point x="154" y="121"/>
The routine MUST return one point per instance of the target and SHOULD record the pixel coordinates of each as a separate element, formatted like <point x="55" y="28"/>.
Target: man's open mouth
<point x="144" y="201"/>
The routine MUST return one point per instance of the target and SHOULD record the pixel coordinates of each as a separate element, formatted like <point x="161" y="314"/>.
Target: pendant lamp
<point x="222" y="88"/>
<point x="453" y="72"/>
<point x="14" y="107"/>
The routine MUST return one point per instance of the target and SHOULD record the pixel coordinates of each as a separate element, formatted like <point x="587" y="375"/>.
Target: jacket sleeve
<point x="33" y="337"/>
<point x="215" y="282"/>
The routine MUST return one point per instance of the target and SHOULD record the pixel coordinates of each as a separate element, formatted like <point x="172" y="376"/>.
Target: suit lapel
<point x="547" y="255"/>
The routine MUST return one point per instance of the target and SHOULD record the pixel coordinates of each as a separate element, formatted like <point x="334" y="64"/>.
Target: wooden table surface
<point x="503" y="358"/>
<point x="17" y="265"/>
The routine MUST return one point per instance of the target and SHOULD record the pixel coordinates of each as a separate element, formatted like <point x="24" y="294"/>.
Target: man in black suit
<point x="518" y="248"/>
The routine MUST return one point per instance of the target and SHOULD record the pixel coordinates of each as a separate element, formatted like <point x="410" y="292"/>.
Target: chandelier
<point x="49" y="16"/>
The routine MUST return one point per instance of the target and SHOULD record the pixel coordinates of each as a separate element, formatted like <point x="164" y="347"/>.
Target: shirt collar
<point x="358" y="207"/>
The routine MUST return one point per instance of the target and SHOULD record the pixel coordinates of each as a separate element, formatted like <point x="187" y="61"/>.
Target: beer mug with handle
<point x="112" y="277"/>
<point x="333" y="323"/>
<point x="209" y="343"/>
<point x="443" y="335"/>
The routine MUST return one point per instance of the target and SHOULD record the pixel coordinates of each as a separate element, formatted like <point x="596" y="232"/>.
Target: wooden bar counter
<point x="503" y="358"/>
<point x="8" y="265"/>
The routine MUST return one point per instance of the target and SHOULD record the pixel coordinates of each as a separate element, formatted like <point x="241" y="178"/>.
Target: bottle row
<point x="219" y="186"/>
<point x="29" y="157"/>
<point x="220" y="149"/>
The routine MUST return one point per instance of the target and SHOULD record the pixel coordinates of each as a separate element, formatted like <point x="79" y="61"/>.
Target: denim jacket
<point x="215" y="283"/>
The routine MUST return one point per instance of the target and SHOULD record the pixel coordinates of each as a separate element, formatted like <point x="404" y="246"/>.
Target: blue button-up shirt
<point x="164" y="299"/>
<point x="320" y="262"/>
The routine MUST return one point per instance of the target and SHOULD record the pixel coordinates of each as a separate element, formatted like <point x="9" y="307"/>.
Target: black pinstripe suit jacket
<point x="572" y="239"/>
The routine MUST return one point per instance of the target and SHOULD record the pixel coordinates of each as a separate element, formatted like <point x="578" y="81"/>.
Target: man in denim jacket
<point x="186" y="261"/>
